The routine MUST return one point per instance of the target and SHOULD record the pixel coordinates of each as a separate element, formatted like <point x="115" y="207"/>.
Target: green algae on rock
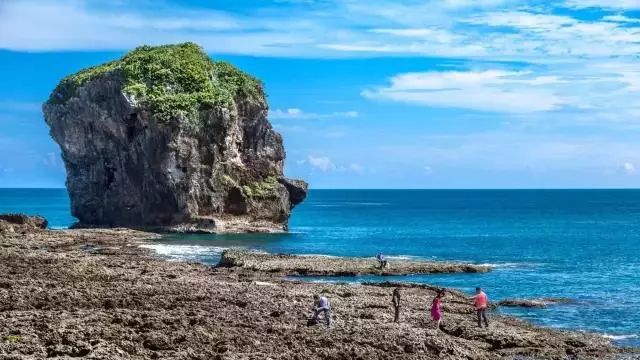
<point x="166" y="137"/>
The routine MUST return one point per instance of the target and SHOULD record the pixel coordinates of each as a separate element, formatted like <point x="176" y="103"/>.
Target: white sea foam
<point x="317" y="255"/>
<point x="330" y="281"/>
<point x="58" y="227"/>
<point x="184" y="252"/>
<point x="407" y="257"/>
<point x="509" y="265"/>
<point x="621" y="337"/>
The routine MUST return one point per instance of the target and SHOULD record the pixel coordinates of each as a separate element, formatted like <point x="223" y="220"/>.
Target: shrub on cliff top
<point x="171" y="80"/>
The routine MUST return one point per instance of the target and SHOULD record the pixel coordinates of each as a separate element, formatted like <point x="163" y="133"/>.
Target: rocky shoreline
<point x="96" y="294"/>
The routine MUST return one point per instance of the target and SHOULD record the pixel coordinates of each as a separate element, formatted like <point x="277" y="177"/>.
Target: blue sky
<point x="369" y="94"/>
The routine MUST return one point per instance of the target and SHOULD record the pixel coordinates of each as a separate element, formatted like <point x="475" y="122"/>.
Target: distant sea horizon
<point x="580" y="244"/>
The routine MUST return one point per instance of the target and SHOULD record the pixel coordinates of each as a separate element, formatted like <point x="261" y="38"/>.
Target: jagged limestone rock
<point x="166" y="137"/>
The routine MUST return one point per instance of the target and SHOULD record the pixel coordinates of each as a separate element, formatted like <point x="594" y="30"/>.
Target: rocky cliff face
<point x="166" y="137"/>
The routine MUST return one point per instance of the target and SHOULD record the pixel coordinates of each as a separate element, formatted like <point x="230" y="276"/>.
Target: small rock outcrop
<point x="166" y="137"/>
<point x="336" y="266"/>
<point x="534" y="303"/>
<point x="21" y="223"/>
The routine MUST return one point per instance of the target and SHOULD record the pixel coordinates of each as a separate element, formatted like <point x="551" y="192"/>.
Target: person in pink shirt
<point x="436" y="311"/>
<point x="481" y="303"/>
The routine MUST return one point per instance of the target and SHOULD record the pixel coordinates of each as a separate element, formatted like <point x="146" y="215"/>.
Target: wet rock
<point x="534" y="303"/>
<point x="21" y="223"/>
<point x="335" y="266"/>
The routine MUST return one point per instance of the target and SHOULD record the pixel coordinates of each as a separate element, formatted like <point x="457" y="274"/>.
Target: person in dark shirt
<point x="395" y="299"/>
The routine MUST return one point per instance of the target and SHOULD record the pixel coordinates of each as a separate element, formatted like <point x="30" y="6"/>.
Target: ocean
<point x="578" y="244"/>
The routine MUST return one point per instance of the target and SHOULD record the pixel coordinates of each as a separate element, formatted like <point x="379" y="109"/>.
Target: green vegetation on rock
<point x="261" y="190"/>
<point x="12" y="339"/>
<point x="172" y="81"/>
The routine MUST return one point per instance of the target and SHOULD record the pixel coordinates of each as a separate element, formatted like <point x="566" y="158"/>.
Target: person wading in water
<point x="395" y="299"/>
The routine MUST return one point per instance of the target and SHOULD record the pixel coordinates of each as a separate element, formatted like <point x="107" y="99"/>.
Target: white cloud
<point x="524" y="20"/>
<point x="356" y="168"/>
<point x="474" y="3"/>
<point x="519" y="151"/>
<point x="571" y="61"/>
<point x="435" y="34"/>
<point x="621" y="18"/>
<point x="324" y="163"/>
<point x="554" y="36"/>
<point x="295" y="113"/>
<point x="629" y="168"/>
<point x="606" y="91"/>
<point x="332" y="28"/>
<point x="491" y="90"/>
<point x="321" y="162"/>
<point x="427" y="169"/>
<point x="605" y="4"/>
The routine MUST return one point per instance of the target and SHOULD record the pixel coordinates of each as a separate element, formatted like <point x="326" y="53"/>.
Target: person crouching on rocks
<point x="382" y="262"/>
<point x="395" y="300"/>
<point x="481" y="303"/>
<point x="321" y="305"/>
<point x="436" y="310"/>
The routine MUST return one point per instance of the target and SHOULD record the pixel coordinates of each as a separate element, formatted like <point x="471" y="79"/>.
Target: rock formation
<point x="166" y="137"/>
<point x="336" y="266"/>
<point x="10" y="223"/>
<point x="534" y="303"/>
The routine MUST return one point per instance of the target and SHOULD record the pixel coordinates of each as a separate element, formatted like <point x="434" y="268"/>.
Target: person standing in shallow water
<point x="321" y="305"/>
<point x="395" y="299"/>
<point x="436" y="310"/>
<point x="481" y="303"/>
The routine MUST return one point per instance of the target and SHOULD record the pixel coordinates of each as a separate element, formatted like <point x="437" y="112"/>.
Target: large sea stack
<point x="166" y="137"/>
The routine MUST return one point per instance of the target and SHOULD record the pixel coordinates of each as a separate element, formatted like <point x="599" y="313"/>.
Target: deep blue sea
<point x="580" y="244"/>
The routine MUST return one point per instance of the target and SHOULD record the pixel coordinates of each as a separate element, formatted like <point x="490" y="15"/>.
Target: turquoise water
<point x="580" y="244"/>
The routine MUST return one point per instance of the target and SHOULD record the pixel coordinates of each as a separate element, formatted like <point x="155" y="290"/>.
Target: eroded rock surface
<point x="21" y="223"/>
<point x="96" y="294"/>
<point x="165" y="137"/>
<point x="336" y="266"/>
<point x="534" y="303"/>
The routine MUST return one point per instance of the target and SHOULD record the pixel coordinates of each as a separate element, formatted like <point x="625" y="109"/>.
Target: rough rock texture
<point x="336" y="266"/>
<point x="534" y="303"/>
<point x="165" y="137"/>
<point x="21" y="223"/>
<point x="95" y="294"/>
